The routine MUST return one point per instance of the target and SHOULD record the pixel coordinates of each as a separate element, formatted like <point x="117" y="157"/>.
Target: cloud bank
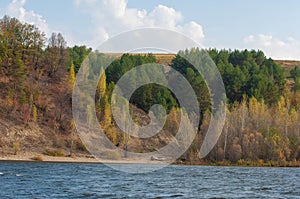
<point x="111" y="17"/>
<point x="16" y="9"/>
<point x="273" y="47"/>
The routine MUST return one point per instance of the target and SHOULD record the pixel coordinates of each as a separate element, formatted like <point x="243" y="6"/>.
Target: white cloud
<point x="114" y="16"/>
<point x="274" y="47"/>
<point x="163" y="16"/>
<point x="109" y="18"/>
<point x="194" y="30"/>
<point x="16" y="9"/>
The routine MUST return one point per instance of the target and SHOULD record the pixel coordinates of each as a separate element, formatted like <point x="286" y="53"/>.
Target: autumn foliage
<point x="262" y="127"/>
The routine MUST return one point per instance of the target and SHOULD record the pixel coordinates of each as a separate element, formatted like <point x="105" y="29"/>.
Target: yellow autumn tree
<point x="106" y="114"/>
<point x="106" y="120"/>
<point x="296" y="99"/>
<point x="294" y="117"/>
<point x="111" y="135"/>
<point x="71" y="77"/>
<point x="254" y="111"/>
<point x="243" y="112"/>
<point x="34" y="113"/>
<point x="282" y="114"/>
<point x="101" y="89"/>
<point x="263" y="116"/>
<point x="293" y="120"/>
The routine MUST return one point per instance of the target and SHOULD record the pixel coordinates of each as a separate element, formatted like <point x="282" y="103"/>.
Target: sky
<point x="271" y="26"/>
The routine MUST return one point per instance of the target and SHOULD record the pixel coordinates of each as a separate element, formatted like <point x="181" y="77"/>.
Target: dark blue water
<point x="53" y="180"/>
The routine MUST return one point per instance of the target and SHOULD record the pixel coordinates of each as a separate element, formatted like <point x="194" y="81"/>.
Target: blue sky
<point x="272" y="26"/>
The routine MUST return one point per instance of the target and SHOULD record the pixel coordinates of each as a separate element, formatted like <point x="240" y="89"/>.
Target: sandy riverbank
<point x="85" y="159"/>
<point x="32" y="157"/>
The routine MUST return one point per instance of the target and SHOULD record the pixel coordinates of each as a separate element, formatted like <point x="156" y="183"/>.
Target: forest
<point x="37" y="75"/>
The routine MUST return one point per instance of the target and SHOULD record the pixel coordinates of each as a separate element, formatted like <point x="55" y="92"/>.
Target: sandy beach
<point x="78" y="158"/>
<point x="32" y="157"/>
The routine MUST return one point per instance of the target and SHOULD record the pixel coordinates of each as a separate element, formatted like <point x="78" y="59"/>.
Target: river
<point x="69" y="180"/>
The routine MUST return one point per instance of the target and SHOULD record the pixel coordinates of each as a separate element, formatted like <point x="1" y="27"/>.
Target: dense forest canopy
<point x="249" y="73"/>
<point x="262" y="124"/>
<point x="145" y="96"/>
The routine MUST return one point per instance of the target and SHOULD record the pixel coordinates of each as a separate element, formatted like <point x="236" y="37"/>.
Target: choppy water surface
<point x="54" y="180"/>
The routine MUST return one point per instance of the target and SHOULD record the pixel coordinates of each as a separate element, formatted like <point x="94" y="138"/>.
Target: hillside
<point x="288" y="65"/>
<point x="49" y="130"/>
<point x="51" y="133"/>
<point x="37" y="76"/>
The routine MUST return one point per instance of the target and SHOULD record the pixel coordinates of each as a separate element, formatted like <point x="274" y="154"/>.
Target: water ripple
<point x="48" y="180"/>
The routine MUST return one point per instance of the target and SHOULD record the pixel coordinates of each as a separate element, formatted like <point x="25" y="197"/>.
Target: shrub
<point x="16" y="147"/>
<point x="54" y="153"/>
<point x="39" y="158"/>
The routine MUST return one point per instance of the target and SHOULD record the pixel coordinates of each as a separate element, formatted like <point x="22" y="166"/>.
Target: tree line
<point x="262" y="122"/>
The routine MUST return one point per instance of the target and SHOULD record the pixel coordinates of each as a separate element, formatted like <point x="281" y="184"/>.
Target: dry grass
<point x="39" y="158"/>
<point x="288" y="65"/>
<point x="162" y="58"/>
